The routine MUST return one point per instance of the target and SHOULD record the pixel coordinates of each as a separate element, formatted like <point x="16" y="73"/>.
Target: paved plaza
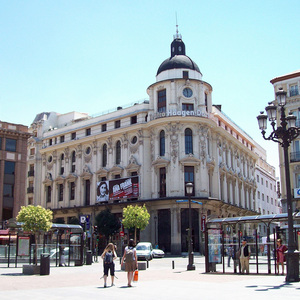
<point x="159" y="281"/>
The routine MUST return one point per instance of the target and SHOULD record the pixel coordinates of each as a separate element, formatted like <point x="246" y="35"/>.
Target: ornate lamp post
<point x="189" y="190"/>
<point x="284" y="135"/>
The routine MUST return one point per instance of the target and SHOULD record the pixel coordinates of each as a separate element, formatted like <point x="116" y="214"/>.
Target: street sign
<point x="82" y="219"/>
<point x="296" y="193"/>
<point x="121" y="233"/>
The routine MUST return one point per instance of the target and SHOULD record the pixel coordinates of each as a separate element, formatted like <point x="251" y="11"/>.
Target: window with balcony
<point x="162" y="101"/>
<point x="118" y="152"/>
<point x="187" y="106"/>
<point x="294" y="90"/>
<point x="48" y="194"/>
<point x="162" y="143"/>
<point x="72" y="190"/>
<point x="162" y="182"/>
<point x="11" y="145"/>
<point x="189" y="177"/>
<point x="188" y="136"/>
<point x="73" y="162"/>
<point x="60" y="192"/>
<point x="295" y="153"/>
<point x="104" y="155"/>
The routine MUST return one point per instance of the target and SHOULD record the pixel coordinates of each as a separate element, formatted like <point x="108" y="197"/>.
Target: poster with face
<point x="102" y="191"/>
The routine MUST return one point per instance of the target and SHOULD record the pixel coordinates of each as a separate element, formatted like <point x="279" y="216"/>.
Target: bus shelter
<point x="223" y="238"/>
<point x="18" y="247"/>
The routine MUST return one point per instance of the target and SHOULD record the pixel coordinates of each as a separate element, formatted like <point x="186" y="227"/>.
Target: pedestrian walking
<point x="130" y="258"/>
<point x="108" y="256"/>
<point x="62" y="261"/>
<point x="229" y="254"/>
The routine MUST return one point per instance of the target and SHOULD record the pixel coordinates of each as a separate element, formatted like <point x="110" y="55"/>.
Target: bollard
<point x="147" y="264"/>
<point x="173" y="264"/>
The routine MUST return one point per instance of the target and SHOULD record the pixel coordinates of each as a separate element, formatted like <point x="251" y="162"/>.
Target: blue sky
<point x="92" y="56"/>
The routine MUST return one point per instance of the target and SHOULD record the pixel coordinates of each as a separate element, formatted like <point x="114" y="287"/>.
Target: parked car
<point x="158" y="253"/>
<point x="144" y="251"/>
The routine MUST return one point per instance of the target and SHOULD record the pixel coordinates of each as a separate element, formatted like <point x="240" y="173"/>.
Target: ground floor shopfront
<point x="168" y="224"/>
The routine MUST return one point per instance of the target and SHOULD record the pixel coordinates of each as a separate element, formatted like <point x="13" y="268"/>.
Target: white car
<point x="158" y="253"/>
<point x="144" y="251"/>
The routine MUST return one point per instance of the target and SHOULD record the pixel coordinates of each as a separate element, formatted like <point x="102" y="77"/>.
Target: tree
<point x="136" y="217"/>
<point x="35" y="219"/>
<point x="107" y="223"/>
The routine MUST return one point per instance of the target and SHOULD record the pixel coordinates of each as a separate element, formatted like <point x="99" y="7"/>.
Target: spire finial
<point x="177" y="35"/>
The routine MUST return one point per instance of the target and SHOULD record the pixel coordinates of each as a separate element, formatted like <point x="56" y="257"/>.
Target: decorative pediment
<point x="190" y="160"/>
<point x="116" y="170"/>
<point x="60" y="179"/>
<point x="71" y="177"/>
<point x="160" y="162"/>
<point x="133" y="166"/>
<point x="86" y="174"/>
<point x="102" y="172"/>
<point x="48" y="180"/>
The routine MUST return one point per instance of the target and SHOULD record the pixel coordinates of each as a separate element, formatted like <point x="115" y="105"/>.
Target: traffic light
<point x="95" y="229"/>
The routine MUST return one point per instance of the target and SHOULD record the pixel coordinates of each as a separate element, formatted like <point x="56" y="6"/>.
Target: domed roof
<point x="178" y="59"/>
<point x="178" y="62"/>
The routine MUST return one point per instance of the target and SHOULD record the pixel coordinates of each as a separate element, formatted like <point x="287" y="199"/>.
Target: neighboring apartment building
<point x="13" y="167"/>
<point x="146" y="153"/>
<point x="291" y="84"/>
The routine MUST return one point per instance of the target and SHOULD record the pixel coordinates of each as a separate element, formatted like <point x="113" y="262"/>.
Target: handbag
<point x="136" y="275"/>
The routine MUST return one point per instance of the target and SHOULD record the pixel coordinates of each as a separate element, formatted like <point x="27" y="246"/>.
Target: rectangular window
<point x="50" y="142"/>
<point x="118" y="124"/>
<point x="267" y="199"/>
<point x="60" y="192"/>
<point x="267" y="183"/>
<point x="294" y="90"/>
<point x="162" y="181"/>
<point x="258" y="195"/>
<point x="9" y="168"/>
<point x="189" y="177"/>
<point x="187" y="106"/>
<point x="88" y="131"/>
<point x="0" y="143"/>
<point x="162" y="100"/>
<point x="133" y="120"/>
<point x="31" y="170"/>
<point x="117" y="176"/>
<point x="48" y="196"/>
<point x="8" y="190"/>
<point x="32" y="151"/>
<point x="11" y="145"/>
<point x="262" y="181"/>
<point x="73" y="136"/>
<point x="104" y="127"/>
<point x="257" y="178"/>
<point x="72" y="190"/>
<point x="62" y="138"/>
<point x="263" y="197"/>
<point x="185" y="74"/>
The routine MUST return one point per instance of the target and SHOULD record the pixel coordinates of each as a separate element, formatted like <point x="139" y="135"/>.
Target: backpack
<point x="108" y="259"/>
<point x="129" y="255"/>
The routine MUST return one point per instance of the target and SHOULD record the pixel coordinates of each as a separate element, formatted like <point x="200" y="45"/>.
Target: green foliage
<point x="35" y="219"/>
<point x="135" y="217"/>
<point x="107" y="223"/>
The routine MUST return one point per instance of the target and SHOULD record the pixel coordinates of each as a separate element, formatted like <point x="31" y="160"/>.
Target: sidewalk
<point x="157" y="282"/>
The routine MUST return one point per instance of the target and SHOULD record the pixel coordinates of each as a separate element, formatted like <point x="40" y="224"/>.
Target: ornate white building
<point x="146" y="153"/>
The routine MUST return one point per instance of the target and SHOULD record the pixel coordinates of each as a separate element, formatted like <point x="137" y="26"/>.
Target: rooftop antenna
<point x="177" y="35"/>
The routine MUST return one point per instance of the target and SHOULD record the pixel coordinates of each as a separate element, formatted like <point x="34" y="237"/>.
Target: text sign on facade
<point x="297" y="193"/>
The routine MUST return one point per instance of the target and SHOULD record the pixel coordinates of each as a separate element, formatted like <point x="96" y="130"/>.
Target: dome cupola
<point x="178" y="60"/>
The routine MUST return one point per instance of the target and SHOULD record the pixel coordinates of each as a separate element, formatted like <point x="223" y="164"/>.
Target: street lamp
<point x="284" y="135"/>
<point x="189" y="190"/>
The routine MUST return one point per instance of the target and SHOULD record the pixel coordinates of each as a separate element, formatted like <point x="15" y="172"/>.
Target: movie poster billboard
<point x="118" y="189"/>
<point x="214" y="246"/>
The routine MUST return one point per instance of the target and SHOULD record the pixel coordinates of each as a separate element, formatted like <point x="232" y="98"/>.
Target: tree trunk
<point x="135" y="235"/>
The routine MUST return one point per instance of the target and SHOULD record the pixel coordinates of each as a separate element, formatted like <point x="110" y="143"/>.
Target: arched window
<point x="73" y="159"/>
<point x="162" y="143"/>
<point x="188" y="136"/>
<point x="118" y="152"/>
<point x="104" y="155"/>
